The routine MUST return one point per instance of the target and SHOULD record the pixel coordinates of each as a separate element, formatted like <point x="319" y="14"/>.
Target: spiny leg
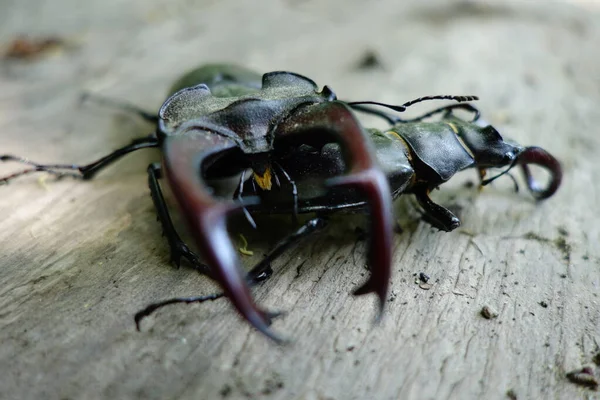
<point x="436" y="215"/>
<point x="80" y="171"/>
<point x="260" y="273"/>
<point x="178" y="247"/>
<point x="120" y="105"/>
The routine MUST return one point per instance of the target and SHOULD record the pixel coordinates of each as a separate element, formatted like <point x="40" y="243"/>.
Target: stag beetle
<point x="235" y="121"/>
<point x="415" y="155"/>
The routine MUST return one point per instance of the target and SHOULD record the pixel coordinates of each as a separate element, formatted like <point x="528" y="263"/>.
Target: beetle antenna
<point x="239" y="198"/>
<point x="294" y="190"/>
<point x="404" y="106"/>
<point x="376" y="103"/>
<point x="391" y="119"/>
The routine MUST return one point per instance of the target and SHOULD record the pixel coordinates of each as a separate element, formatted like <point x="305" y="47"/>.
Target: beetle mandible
<point x="229" y="123"/>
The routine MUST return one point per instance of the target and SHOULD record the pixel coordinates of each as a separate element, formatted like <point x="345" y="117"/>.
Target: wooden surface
<point x="79" y="259"/>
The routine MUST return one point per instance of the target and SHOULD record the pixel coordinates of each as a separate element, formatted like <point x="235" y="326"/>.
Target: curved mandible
<point x="538" y="156"/>
<point x="334" y="122"/>
<point x="184" y="155"/>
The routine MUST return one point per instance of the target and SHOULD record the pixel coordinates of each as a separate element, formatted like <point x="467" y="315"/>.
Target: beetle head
<point x="487" y="146"/>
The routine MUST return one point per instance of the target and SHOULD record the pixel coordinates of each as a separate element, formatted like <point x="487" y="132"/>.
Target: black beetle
<point x="416" y="156"/>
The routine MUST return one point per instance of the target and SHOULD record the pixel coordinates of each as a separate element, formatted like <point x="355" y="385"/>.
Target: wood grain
<point x="79" y="259"/>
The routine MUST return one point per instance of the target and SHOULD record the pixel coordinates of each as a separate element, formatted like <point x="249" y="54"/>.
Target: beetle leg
<point x="294" y="191"/>
<point x="334" y="122"/>
<point x="185" y="156"/>
<point x="178" y="247"/>
<point x="262" y="270"/>
<point x="389" y="117"/>
<point x="436" y="215"/>
<point x="394" y="119"/>
<point x="538" y="156"/>
<point x="120" y="105"/>
<point x="260" y="273"/>
<point x="87" y="171"/>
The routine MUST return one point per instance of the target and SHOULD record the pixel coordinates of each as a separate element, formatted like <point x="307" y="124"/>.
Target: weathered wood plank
<point x="79" y="259"/>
